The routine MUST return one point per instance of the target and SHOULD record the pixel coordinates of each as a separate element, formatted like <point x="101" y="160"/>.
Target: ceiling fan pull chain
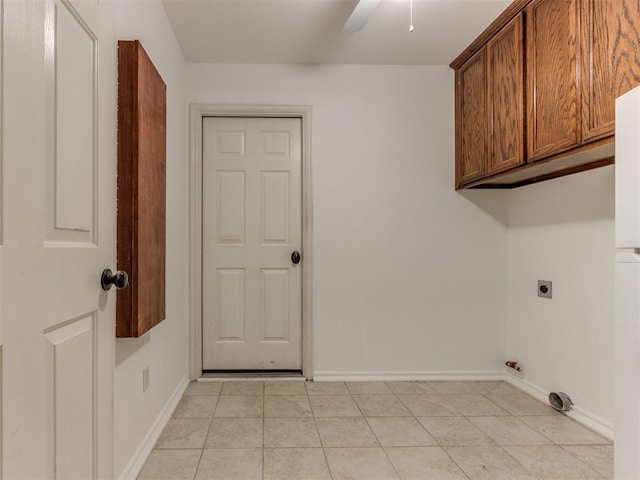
<point x="411" y="15"/>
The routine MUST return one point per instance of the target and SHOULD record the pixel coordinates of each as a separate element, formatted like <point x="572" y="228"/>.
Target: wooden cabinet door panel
<point x="471" y="119"/>
<point x="553" y="94"/>
<point x="611" y="61"/>
<point x="505" y="76"/>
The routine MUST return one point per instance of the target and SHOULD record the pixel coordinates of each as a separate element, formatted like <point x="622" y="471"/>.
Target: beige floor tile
<point x="410" y="388"/>
<point x="487" y="387"/>
<point x="242" y="388"/>
<point x="171" y="465"/>
<point x="232" y="446"/>
<point x="551" y="463"/>
<point x="235" y="433"/>
<point x="290" y="432"/>
<point x="488" y="463"/>
<point x="424" y="463"/>
<point x="509" y="431"/>
<point x="520" y="403"/>
<point x="287" y="406"/>
<point x="195" y="406"/>
<point x="334" y="406"/>
<point x="360" y="464"/>
<point x="598" y="457"/>
<point x="427" y="406"/>
<point x="295" y="464"/>
<point x="284" y="388"/>
<point x="367" y="388"/>
<point x="184" y="433"/>
<point x="239" y="406"/>
<point x="204" y="388"/>
<point x="451" y="387"/>
<point x="564" y="431"/>
<point x="381" y="406"/>
<point x="327" y="388"/>
<point x="346" y="432"/>
<point x="454" y="431"/>
<point x="230" y="464"/>
<point x="400" y="432"/>
<point x="472" y="405"/>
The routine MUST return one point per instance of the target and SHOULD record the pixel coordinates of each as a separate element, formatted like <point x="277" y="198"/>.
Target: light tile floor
<point x="252" y="430"/>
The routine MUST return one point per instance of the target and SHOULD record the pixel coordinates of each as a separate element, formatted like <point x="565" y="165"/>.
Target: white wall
<point x="563" y="230"/>
<point x="164" y="348"/>
<point x="410" y="276"/>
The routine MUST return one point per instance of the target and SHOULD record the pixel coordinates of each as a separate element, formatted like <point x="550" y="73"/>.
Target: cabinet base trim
<point x="594" y="155"/>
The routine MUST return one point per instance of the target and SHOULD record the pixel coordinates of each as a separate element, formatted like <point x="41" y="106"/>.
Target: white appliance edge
<point x="627" y="304"/>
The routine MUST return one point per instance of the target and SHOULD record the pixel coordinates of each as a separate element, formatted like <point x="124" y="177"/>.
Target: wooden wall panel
<point x="141" y="191"/>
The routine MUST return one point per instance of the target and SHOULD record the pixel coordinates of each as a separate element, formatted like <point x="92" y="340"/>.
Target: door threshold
<point x="251" y="375"/>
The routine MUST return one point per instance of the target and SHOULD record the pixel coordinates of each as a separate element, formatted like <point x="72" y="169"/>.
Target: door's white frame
<point x="197" y="112"/>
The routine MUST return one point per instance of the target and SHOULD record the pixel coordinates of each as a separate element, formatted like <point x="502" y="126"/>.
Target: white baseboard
<point x="406" y="376"/>
<point x="141" y="454"/>
<point x="580" y="415"/>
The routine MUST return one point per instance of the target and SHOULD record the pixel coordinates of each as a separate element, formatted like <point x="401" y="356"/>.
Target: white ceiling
<point x="310" y="31"/>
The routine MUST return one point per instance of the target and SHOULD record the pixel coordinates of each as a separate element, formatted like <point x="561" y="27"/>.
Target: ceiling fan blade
<point x="360" y="15"/>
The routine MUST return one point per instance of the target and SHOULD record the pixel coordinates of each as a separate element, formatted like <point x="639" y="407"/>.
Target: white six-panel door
<point x="58" y="203"/>
<point x="252" y="316"/>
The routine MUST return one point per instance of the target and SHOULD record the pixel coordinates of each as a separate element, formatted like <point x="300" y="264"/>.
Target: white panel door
<point x="252" y="214"/>
<point x="59" y="165"/>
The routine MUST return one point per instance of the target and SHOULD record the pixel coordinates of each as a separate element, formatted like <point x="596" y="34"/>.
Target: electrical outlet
<point x="545" y="288"/>
<point x="145" y="379"/>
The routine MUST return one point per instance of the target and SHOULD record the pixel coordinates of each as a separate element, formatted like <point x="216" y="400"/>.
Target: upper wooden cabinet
<point x="471" y="105"/>
<point x="610" y="61"/>
<point x="489" y="107"/>
<point x="505" y="82"/>
<point x="568" y="65"/>
<point x="553" y="89"/>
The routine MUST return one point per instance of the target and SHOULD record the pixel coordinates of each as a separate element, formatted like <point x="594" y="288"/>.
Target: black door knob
<point x="295" y="258"/>
<point x="120" y="279"/>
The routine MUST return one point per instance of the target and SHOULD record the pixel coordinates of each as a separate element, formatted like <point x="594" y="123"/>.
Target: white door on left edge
<point x="251" y="226"/>
<point x="58" y="206"/>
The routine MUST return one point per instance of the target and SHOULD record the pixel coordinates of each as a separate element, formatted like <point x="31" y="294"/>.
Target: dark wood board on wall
<point x="141" y="214"/>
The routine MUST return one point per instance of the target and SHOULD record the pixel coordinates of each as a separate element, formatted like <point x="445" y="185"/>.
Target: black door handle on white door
<point x="295" y="257"/>
<point x="120" y="279"/>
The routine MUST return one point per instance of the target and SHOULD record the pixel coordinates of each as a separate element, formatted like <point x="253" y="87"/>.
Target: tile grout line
<point x="315" y="422"/>
<point x="464" y="472"/>
<point x="383" y="449"/>
<point x="574" y="456"/>
<point x="374" y="434"/>
<point x="456" y="463"/>
<point x="434" y="439"/>
<point x="552" y="446"/>
<point x="195" y="473"/>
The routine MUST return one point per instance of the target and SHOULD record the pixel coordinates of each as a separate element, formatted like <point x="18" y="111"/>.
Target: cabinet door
<point x="505" y="77"/>
<point x="471" y="119"/>
<point x="611" y="62"/>
<point x="553" y="93"/>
